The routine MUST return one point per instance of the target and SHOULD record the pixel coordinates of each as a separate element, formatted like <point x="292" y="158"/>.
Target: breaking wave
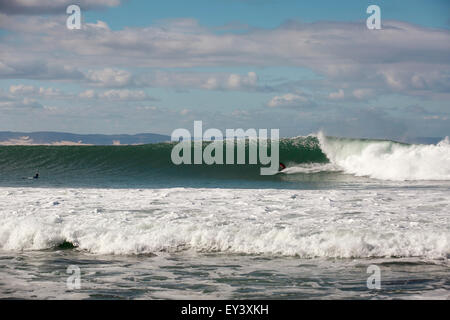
<point x="379" y="159"/>
<point x="388" y="160"/>
<point x="307" y="224"/>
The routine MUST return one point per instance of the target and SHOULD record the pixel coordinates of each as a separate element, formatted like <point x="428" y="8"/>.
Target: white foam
<point x="309" y="168"/>
<point x="317" y="223"/>
<point x="388" y="160"/>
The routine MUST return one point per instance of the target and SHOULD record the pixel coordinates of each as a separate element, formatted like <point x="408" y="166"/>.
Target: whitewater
<point x="307" y="224"/>
<point x="140" y="227"/>
<point x="388" y="160"/>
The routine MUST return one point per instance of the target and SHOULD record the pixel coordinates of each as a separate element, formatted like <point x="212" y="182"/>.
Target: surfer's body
<point x="35" y="177"/>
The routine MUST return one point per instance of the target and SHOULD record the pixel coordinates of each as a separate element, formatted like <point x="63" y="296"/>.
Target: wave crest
<point x="388" y="160"/>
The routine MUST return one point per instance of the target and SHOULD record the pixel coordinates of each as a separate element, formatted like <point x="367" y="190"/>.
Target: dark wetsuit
<point x="36" y="176"/>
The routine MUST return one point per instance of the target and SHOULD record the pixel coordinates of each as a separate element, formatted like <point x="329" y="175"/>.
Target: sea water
<point x="138" y="227"/>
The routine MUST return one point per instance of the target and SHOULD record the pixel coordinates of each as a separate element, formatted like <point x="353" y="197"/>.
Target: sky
<point x="155" y="66"/>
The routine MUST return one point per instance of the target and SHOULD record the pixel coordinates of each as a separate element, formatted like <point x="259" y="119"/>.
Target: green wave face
<point x="143" y="162"/>
<point x="311" y="158"/>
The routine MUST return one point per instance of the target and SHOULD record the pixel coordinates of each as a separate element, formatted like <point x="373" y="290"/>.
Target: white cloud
<point x="116" y="95"/>
<point x="363" y="93"/>
<point x="88" y="94"/>
<point x="22" y="89"/>
<point x="99" y="25"/>
<point x="236" y="81"/>
<point x="339" y="51"/>
<point x="25" y="103"/>
<point x="342" y="55"/>
<point x="392" y="80"/>
<point x="124" y="94"/>
<point x="339" y="95"/>
<point x="109" y="77"/>
<point x="288" y="99"/>
<point x="15" y="68"/>
<point x="211" y="84"/>
<point x="26" y="90"/>
<point x="198" y="80"/>
<point x="356" y="94"/>
<point x="147" y="108"/>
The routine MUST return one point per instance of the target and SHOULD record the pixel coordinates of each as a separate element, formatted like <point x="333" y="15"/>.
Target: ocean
<point x="135" y="226"/>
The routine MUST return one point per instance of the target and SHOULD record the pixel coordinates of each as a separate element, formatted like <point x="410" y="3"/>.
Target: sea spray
<point x="388" y="160"/>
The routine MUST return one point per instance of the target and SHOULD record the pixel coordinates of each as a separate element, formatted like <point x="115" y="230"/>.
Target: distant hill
<point x="62" y="138"/>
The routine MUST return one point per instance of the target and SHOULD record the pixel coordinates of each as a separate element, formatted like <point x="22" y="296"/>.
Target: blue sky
<point x="269" y="13"/>
<point x="154" y="66"/>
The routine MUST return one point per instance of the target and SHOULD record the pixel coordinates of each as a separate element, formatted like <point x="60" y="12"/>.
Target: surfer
<point x="36" y="176"/>
<point x="281" y="167"/>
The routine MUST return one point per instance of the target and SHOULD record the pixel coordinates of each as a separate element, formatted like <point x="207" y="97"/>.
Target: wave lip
<point x="388" y="160"/>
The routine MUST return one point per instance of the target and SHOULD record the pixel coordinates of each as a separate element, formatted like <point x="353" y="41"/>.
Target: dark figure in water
<point x="281" y="167"/>
<point x="36" y="176"/>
